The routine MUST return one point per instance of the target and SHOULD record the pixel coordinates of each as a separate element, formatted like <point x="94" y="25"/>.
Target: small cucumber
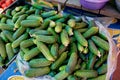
<point x="17" y="23"/>
<point x="54" y="50"/>
<point x="80" y="38"/>
<point x="102" y="52"/>
<point x="82" y="30"/>
<point x="62" y="48"/>
<point x="46" y="39"/>
<point x="35" y="17"/>
<point x="59" y="61"/>
<point x="10" y="22"/>
<point x="48" y="14"/>
<point x="101" y="61"/>
<point x="64" y="38"/>
<point x="91" y="61"/>
<point x="80" y="47"/>
<point x="18" y="32"/>
<point x="90" y="32"/>
<point x="72" y="63"/>
<point x="13" y="12"/>
<point x="61" y="75"/>
<point x="55" y="17"/>
<point x="102" y="69"/>
<point x="27" y="43"/>
<point x="41" y="62"/>
<point x="44" y="49"/>
<point x="103" y="36"/>
<point x="25" y="50"/>
<point x="9" y="51"/>
<point x="101" y="77"/>
<point x="30" y="23"/>
<point x="36" y="72"/>
<point x="52" y="24"/>
<point x="101" y="43"/>
<point x="18" y="8"/>
<point x="69" y="30"/>
<point x="58" y="27"/>
<point x="93" y="48"/>
<point x="3" y="20"/>
<point x="80" y="25"/>
<point x="17" y="42"/>
<point x="8" y="35"/>
<point x="32" y="11"/>
<point x="45" y="24"/>
<point x="71" y="23"/>
<point x="85" y="51"/>
<point x="86" y="73"/>
<point x="4" y="26"/>
<point x="32" y="53"/>
<point x="37" y="12"/>
<point x="2" y="49"/>
<point x="39" y="32"/>
<point x="4" y="37"/>
<point x="8" y="13"/>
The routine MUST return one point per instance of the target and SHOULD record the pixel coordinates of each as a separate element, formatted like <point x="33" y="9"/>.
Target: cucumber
<point x="13" y="12"/>
<point x="35" y="17"/>
<point x="82" y="30"/>
<point x="80" y="47"/>
<point x="41" y="62"/>
<point x="2" y="49"/>
<point x="17" y="23"/>
<point x="3" y="20"/>
<point x="72" y="63"/>
<point x="101" y="61"/>
<point x="101" y="77"/>
<point x="72" y="77"/>
<point x="9" y="22"/>
<point x="17" y="42"/>
<point x="93" y="48"/>
<point x="39" y="32"/>
<point x="32" y="53"/>
<point x="4" y="37"/>
<point x="86" y="73"/>
<point x="48" y="14"/>
<point x="59" y="61"/>
<point x="54" y="50"/>
<point x="63" y="19"/>
<point x="64" y="38"/>
<point x="37" y="12"/>
<point x="80" y="25"/>
<point x="30" y="23"/>
<point x="27" y="43"/>
<point x="73" y="47"/>
<point x="71" y="23"/>
<point x="52" y="24"/>
<point x="91" y="61"/>
<point x="62" y="67"/>
<point x="69" y="30"/>
<point x="18" y="8"/>
<point x="8" y="13"/>
<point x="45" y="24"/>
<point x="9" y="51"/>
<point x="4" y="26"/>
<point x="44" y="49"/>
<point x="85" y="51"/>
<point x="61" y="75"/>
<point x="32" y="11"/>
<point x="102" y="69"/>
<point x="58" y="27"/>
<point x="36" y="72"/>
<point x="8" y="35"/>
<point x="90" y="32"/>
<point x="62" y="48"/>
<point x="46" y="39"/>
<point x="102" y="52"/>
<point x="4" y="15"/>
<point x="101" y="43"/>
<point x="80" y="38"/>
<point x="18" y="32"/>
<point x="55" y="17"/>
<point x="25" y="50"/>
<point x="102" y="35"/>
<point x="83" y="66"/>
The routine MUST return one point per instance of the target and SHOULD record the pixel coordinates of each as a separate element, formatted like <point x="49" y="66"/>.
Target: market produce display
<point x="52" y="43"/>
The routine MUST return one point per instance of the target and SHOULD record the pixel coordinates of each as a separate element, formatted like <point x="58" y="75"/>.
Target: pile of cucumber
<point x="53" y="44"/>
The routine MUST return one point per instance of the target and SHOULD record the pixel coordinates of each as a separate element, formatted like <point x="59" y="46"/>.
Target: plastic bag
<point x="111" y="62"/>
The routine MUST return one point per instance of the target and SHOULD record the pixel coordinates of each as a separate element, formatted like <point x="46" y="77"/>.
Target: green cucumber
<point x="58" y="27"/>
<point x="59" y="61"/>
<point x="80" y="47"/>
<point x="102" y="69"/>
<point x="80" y="38"/>
<point x="3" y="20"/>
<point x="9" y="51"/>
<point x="35" y="17"/>
<point x="55" y="17"/>
<point x="41" y="62"/>
<point x="4" y="37"/>
<point x="48" y="14"/>
<point x="8" y="13"/>
<point x="101" y="43"/>
<point x="69" y="30"/>
<point x="10" y="22"/>
<point x="82" y="30"/>
<point x="32" y="11"/>
<point x="4" y="26"/>
<point x="36" y="72"/>
<point x="8" y="35"/>
<point x="80" y="25"/>
<point x="62" y="48"/>
<point x="71" y="23"/>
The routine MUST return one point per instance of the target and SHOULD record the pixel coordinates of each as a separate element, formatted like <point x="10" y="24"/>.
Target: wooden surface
<point x="107" y="10"/>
